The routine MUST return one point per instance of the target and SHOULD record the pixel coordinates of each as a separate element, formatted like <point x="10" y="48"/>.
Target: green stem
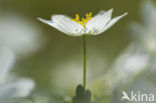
<point x="84" y="61"/>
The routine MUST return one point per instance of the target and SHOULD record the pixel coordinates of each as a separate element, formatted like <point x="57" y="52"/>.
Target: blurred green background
<point x="58" y="62"/>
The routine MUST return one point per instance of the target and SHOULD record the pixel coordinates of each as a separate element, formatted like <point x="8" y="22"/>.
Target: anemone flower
<point x="83" y="26"/>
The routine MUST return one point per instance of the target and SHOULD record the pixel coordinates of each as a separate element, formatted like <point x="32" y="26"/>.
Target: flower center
<point x="83" y="21"/>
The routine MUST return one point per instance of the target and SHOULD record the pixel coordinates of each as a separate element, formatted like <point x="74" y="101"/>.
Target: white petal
<point x="110" y="23"/>
<point x="20" y="88"/>
<point x="73" y="27"/>
<point x="45" y="21"/>
<point x="54" y="25"/>
<point x="100" y="20"/>
<point x="65" y="25"/>
<point x="6" y="62"/>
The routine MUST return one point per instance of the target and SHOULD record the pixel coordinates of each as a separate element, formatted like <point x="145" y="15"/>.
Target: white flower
<point x="145" y="35"/>
<point x="10" y="87"/>
<point x="88" y="26"/>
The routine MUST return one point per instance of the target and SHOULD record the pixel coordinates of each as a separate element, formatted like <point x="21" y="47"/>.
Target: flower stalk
<point x="84" y="60"/>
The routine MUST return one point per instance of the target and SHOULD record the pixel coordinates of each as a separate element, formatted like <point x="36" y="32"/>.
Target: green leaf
<point x="82" y="95"/>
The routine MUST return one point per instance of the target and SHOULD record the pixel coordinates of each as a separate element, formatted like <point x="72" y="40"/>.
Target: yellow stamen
<point x="77" y="17"/>
<point x="83" y="21"/>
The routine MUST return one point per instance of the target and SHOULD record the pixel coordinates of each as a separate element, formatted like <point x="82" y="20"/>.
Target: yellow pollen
<point x="83" y="21"/>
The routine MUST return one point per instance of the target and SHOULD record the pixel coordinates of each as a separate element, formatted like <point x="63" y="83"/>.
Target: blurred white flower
<point x="145" y="35"/>
<point x="18" y="88"/>
<point x="85" y="26"/>
<point x="10" y="87"/>
<point x="19" y="34"/>
<point x="131" y="62"/>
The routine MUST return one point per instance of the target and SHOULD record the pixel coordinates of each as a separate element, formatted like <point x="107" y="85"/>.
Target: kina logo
<point x="138" y="97"/>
